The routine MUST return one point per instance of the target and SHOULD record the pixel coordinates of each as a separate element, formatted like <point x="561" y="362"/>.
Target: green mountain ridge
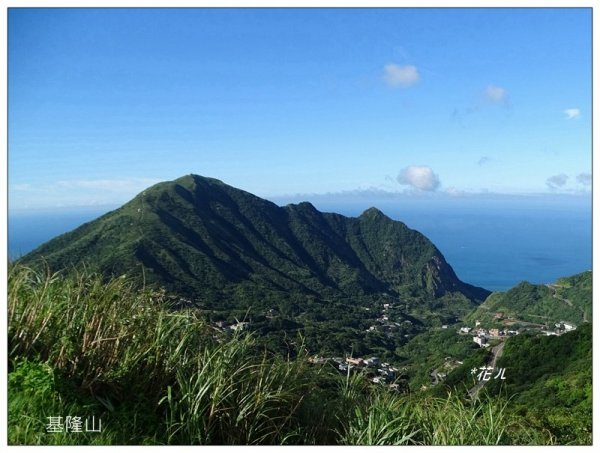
<point x="200" y="238"/>
<point x="568" y="299"/>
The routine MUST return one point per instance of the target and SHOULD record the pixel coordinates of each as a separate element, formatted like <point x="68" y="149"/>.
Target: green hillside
<point x="81" y="345"/>
<point x="548" y="379"/>
<point x="213" y="243"/>
<point x="549" y="372"/>
<point x="238" y="256"/>
<point x="569" y="299"/>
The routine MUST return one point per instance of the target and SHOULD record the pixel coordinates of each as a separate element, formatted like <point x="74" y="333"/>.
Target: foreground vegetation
<point x="80" y="346"/>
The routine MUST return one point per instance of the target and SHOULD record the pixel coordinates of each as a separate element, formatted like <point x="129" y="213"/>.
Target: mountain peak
<point x="201" y="237"/>
<point x="192" y="178"/>
<point x="304" y="206"/>
<point x="373" y="213"/>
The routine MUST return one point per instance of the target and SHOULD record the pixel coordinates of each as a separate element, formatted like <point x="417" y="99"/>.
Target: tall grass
<point x="101" y="332"/>
<point x="120" y="344"/>
<point x="390" y="419"/>
<point x="81" y="345"/>
<point x="387" y="420"/>
<point x="227" y="396"/>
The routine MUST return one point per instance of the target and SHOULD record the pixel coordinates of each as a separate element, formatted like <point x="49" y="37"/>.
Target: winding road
<point x="496" y="353"/>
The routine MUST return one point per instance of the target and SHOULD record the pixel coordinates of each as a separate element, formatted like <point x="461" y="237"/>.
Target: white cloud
<point x="572" y="113"/>
<point x="419" y="177"/>
<point x="584" y="178"/>
<point x="495" y="94"/>
<point x="403" y="76"/>
<point x="556" y="181"/>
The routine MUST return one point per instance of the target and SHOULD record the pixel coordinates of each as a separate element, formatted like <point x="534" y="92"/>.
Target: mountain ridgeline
<point x="210" y="242"/>
<point x="568" y="299"/>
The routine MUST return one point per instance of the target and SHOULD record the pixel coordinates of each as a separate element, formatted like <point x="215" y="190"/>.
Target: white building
<point x="372" y="361"/>
<point x="239" y="326"/>
<point x="480" y="341"/>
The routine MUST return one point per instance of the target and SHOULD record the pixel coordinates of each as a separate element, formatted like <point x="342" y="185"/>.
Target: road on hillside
<point x="496" y="353"/>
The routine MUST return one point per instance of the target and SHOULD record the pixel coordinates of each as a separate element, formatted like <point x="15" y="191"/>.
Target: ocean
<point x="496" y="244"/>
<point x="28" y="230"/>
<point x="493" y="244"/>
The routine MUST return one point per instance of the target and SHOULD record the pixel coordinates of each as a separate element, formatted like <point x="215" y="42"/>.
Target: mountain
<point x="568" y="299"/>
<point x="213" y="243"/>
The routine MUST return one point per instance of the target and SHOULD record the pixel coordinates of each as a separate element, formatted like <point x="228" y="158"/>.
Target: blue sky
<point x="426" y="102"/>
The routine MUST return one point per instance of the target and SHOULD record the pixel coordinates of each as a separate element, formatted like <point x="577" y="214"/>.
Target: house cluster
<point x="560" y="328"/>
<point x="566" y="326"/>
<point x="378" y="372"/>
<point x="481" y="335"/>
<point x="384" y="372"/>
<point x="224" y="326"/>
<point x="318" y="360"/>
<point x="386" y="325"/>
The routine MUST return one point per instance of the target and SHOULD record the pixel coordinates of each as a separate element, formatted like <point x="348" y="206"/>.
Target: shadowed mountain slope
<point x="201" y="238"/>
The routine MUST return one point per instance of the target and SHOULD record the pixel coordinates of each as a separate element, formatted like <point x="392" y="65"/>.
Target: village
<point x="386" y="325"/>
<point x="383" y="373"/>
<point x="376" y="371"/>
<point x="493" y="337"/>
<point x="481" y="335"/>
